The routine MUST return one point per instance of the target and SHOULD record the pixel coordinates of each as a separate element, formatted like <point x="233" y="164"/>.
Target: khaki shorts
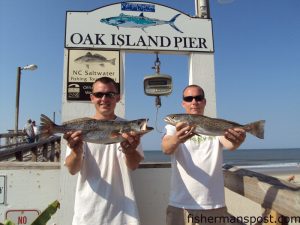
<point x="178" y="216"/>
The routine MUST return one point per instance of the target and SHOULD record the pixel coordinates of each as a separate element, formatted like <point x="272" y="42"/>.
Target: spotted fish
<point x="95" y="131"/>
<point x="213" y="126"/>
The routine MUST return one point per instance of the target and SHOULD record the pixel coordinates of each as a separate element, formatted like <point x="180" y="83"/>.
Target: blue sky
<point x="257" y="69"/>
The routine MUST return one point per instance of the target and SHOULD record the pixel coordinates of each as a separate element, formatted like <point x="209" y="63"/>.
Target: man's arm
<point x="133" y="159"/>
<point x="74" y="161"/>
<point x="182" y="134"/>
<point x="233" y="138"/>
<point x="129" y="148"/>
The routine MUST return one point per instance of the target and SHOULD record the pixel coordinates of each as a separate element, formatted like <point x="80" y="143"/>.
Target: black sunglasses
<point x="198" y="98"/>
<point x="106" y="94"/>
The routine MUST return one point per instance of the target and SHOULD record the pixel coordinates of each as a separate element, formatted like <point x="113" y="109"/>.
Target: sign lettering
<point x="22" y="220"/>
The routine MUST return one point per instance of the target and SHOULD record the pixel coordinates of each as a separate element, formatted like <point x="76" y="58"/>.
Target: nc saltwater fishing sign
<point x="138" y="26"/>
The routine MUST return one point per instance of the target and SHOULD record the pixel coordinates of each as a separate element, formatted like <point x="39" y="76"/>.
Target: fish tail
<point x="113" y="61"/>
<point x="256" y="128"/>
<point x="174" y="18"/>
<point x="171" y="22"/>
<point x="47" y="127"/>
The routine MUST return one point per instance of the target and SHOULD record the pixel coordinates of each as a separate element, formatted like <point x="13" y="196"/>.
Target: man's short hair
<point x="108" y="80"/>
<point x="195" y="86"/>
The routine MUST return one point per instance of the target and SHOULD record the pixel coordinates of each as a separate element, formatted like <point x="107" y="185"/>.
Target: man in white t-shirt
<point x="28" y="130"/>
<point x="197" y="185"/>
<point x="104" y="192"/>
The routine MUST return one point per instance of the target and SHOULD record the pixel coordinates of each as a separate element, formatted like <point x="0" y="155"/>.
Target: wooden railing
<point x="279" y="199"/>
<point x="43" y="150"/>
<point x="12" y="139"/>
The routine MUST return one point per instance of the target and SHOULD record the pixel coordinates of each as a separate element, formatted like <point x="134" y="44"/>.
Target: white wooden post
<point x="201" y="66"/>
<point x="202" y="73"/>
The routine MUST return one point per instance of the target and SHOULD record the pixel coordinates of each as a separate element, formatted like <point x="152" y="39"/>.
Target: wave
<point x="275" y="165"/>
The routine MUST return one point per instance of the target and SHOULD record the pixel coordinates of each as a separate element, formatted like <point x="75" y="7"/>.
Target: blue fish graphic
<point x="140" y="21"/>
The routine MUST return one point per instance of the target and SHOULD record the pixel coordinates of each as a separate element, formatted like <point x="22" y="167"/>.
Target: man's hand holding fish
<point x="74" y="140"/>
<point x="233" y="138"/>
<point x="75" y="143"/>
<point x="184" y="132"/>
<point x="130" y="144"/>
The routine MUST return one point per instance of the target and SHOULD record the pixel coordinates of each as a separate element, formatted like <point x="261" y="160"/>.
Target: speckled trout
<point x="213" y="126"/>
<point x="95" y="131"/>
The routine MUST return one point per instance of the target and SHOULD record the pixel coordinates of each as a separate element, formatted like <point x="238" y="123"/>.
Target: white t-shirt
<point x="197" y="179"/>
<point x="104" y="192"/>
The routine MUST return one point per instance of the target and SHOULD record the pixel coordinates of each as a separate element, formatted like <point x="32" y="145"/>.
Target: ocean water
<point x="287" y="157"/>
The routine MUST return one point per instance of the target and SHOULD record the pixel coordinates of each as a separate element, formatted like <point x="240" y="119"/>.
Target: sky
<point x="257" y="69"/>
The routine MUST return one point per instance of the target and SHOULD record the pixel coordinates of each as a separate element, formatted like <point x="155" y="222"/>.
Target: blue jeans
<point x="30" y="140"/>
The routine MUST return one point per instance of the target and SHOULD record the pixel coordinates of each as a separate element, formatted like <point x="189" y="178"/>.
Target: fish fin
<point x="46" y="127"/>
<point x="121" y="21"/>
<point x="171" y="23"/>
<point x="100" y="56"/>
<point x="115" y="134"/>
<point x="101" y="64"/>
<point x="83" y="119"/>
<point x="256" y="128"/>
<point x="143" y="29"/>
<point x="141" y="15"/>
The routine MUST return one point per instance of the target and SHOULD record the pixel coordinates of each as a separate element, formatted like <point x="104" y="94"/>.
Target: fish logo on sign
<point x="98" y="59"/>
<point x="140" y="21"/>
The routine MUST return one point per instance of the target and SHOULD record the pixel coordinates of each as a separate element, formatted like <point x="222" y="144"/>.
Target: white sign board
<point x="24" y="217"/>
<point x="138" y="25"/>
<point x="2" y="189"/>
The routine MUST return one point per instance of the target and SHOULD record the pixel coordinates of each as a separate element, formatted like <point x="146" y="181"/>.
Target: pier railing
<point x="276" y="200"/>
<point x="43" y="150"/>
<point x="279" y="199"/>
<point x="12" y="139"/>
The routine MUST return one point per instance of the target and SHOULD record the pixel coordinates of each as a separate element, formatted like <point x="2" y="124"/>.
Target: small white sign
<point x="2" y="189"/>
<point x="24" y="217"/>
<point x="85" y="66"/>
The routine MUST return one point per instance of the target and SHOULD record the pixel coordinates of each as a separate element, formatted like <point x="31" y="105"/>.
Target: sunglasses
<point x="198" y="98"/>
<point x="106" y="94"/>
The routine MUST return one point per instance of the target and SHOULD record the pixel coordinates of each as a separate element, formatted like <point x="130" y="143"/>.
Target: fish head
<point x="173" y="119"/>
<point x="114" y="21"/>
<point x="142" y="126"/>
